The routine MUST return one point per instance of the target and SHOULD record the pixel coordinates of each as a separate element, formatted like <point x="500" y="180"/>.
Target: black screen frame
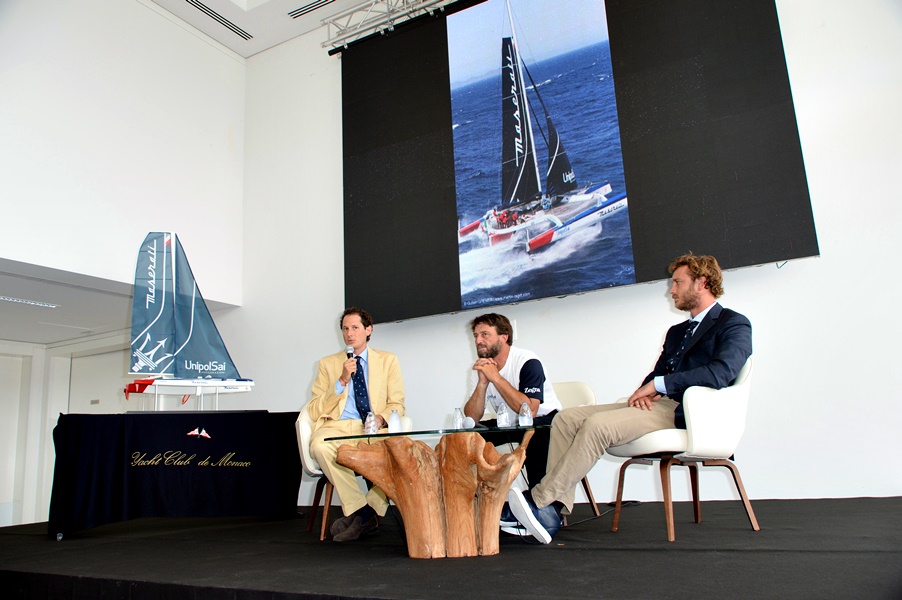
<point x="711" y="150"/>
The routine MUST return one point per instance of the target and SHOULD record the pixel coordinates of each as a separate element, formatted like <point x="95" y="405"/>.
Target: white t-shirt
<point x="524" y="371"/>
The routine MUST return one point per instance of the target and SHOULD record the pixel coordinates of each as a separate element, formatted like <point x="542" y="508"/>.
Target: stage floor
<point x="834" y="548"/>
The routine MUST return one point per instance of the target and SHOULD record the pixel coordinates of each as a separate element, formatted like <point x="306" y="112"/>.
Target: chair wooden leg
<point x="693" y="479"/>
<point x="642" y="461"/>
<point x="588" y="490"/>
<point x="722" y="462"/>
<point x="666" y="462"/>
<point x="318" y="492"/>
<point x="327" y="504"/>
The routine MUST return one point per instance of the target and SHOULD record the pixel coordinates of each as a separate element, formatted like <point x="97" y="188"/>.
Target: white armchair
<point x="715" y="422"/>
<point x="304" y="426"/>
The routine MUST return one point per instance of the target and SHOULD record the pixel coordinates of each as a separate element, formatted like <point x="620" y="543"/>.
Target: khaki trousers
<point x="579" y="437"/>
<point x="344" y="479"/>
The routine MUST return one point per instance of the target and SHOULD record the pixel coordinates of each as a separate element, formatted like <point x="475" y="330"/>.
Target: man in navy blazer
<point x="707" y="350"/>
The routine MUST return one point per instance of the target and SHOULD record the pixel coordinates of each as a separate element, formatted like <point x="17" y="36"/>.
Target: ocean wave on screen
<point x="487" y="267"/>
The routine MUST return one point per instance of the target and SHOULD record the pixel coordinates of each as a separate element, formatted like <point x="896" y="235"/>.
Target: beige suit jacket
<point x="385" y="387"/>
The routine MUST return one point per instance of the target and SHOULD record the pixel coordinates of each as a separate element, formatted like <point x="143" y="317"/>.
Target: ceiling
<point x="251" y="26"/>
<point x="84" y="306"/>
<point x="79" y="306"/>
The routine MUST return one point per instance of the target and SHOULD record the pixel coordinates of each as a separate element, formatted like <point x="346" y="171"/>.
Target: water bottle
<point x="457" y="422"/>
<point x="525" y="418"/>
<point x="504" y="416"/>
<point x="394" y="422"/>
<point x="372" y="423"/>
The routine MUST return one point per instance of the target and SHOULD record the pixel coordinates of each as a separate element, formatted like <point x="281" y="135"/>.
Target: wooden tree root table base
<point x="451" y="497"/>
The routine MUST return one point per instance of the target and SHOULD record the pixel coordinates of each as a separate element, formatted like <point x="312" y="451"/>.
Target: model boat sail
<point x="174" y="341"/>
<point x="544" y="216"/>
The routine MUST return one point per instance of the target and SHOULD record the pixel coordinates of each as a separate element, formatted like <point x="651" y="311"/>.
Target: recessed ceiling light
<point x="29" y="302"/>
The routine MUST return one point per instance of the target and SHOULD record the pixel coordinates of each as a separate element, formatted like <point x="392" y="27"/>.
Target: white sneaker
<point x="521" y="509"/>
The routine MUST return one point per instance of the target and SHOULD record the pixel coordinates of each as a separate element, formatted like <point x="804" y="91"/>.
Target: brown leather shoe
<point x="357" y="528"/>
<point x="339" y="525"/>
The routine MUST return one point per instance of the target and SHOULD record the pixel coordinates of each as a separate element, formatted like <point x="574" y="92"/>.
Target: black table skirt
<point x="204" y="464"/>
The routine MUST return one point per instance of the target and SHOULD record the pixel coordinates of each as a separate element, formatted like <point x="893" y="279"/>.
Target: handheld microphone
<point x="349" y="350"/>
<point x="469" y="423"/>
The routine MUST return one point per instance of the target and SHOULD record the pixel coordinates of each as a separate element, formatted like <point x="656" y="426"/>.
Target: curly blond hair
<point x="701" y="266"/>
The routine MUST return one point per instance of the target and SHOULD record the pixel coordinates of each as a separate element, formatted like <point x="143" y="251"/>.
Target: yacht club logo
<point x="199" y="432"/>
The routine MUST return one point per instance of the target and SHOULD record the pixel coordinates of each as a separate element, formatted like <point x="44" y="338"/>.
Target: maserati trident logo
<point x="147" y="359"/>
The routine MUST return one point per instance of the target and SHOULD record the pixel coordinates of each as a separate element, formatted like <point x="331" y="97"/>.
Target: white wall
<point x="115" y="121"/>
<point x="96" y="382"/>
<point x="294" y="257"/>
<point x="10" y="376"/>
<point x="35" y="384"/>
<point x="99" y="129"/>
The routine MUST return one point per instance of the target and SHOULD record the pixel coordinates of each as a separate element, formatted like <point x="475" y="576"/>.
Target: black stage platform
<point x="836" y="548"/>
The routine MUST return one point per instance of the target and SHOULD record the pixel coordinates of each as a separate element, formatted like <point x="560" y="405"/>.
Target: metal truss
<point x="376" y="16"/>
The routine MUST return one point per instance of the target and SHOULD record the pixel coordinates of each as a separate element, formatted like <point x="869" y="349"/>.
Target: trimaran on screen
<point x="542" y="216"/>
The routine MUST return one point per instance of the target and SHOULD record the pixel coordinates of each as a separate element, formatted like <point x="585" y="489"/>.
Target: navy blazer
<point x="715" y="354"/>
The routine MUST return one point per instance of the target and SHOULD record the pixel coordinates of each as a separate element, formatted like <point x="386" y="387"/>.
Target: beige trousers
<point x="579" y="437"/>
<point x="344" y="479"/>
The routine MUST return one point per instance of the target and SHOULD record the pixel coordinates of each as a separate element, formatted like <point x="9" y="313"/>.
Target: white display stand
<point x="199" y="387"/>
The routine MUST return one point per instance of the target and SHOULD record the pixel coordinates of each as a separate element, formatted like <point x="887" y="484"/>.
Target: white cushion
<point x="664" y="440"/>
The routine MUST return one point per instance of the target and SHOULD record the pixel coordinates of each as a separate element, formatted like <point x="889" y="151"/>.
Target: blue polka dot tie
<point x="361" y="397"/>
<point x="675" y="359"/>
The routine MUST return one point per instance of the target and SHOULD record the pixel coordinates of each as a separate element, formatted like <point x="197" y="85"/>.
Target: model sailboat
<point x="542" y="215"/>
<point x="174" y="341"/>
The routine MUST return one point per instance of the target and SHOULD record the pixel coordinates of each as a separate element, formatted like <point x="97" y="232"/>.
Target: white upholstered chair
<point x="304" y="427"/>
<point x="571" y="394"/>
<point x="715" y="422"/>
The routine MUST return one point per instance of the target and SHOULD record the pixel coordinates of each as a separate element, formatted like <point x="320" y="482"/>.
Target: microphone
<point x="349" y="350"/>
<point x="469" y="423"/>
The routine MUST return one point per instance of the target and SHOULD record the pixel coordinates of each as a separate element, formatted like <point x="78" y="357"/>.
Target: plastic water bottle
<point x="525" y="418"/>
<point x="504" y="416"/>
<point x="394" y="422"/>
<point x="372" y="423"/>
<point x="457" y="422"/>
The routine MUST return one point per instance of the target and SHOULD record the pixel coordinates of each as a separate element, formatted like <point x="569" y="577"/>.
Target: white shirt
<point x="524" y="380"/>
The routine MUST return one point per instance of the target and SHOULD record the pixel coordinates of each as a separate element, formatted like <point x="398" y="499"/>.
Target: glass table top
<point x="428" y="432"/>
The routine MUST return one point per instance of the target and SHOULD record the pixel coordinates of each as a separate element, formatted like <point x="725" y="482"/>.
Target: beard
<point x="488" y="351"/>
<point x="687" y="301"/>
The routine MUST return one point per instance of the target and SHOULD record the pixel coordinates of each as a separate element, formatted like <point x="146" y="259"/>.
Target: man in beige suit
<point x="345" y="389"/>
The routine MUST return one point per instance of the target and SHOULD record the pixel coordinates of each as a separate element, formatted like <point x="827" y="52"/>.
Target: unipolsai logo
<point x="213" y="366"/>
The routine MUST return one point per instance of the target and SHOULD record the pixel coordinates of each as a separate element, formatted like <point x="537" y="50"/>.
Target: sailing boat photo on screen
<point x="541" y="196"/>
